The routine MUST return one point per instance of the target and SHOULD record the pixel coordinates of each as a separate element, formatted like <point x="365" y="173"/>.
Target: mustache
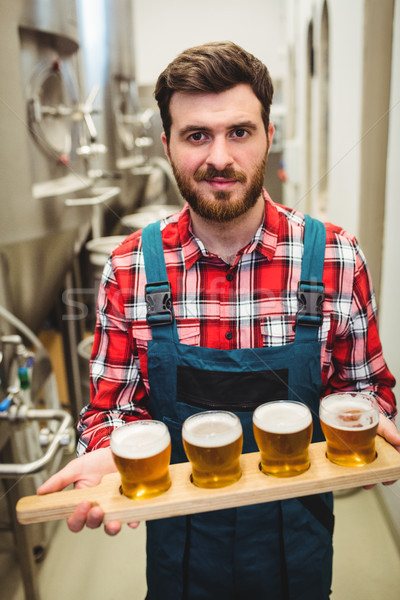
<point x="227" y="173"/>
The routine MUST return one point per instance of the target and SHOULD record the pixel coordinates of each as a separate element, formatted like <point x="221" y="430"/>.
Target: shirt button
<point x="229" y="335"/>
<point x="229" y="277"/>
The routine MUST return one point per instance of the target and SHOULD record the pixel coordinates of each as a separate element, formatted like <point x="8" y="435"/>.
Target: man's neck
<point x="226" y="239"/>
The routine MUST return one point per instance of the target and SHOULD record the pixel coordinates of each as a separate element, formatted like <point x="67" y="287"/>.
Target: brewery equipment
<point x="77" y="153"/>
<point x="44" y="124"/>
<point x="29" y="452"/>
<point x="106" y="44"/>
<point x="48" y="206"/>
<point x="128" y="131"/>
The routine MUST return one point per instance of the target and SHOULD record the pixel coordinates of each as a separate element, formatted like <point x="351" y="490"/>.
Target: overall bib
<point x="277" y="550"/>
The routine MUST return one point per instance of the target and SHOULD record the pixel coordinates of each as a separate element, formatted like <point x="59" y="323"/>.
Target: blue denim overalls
<point x="277" y="550"/>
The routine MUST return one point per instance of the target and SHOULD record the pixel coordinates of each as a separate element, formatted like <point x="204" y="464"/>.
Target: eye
<point x="240" y="133"/>
<point x="197" y="136"/>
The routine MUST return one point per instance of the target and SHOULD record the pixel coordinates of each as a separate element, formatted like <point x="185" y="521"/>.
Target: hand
<point x="388" y="430"/>
<point x="86" y="471"/>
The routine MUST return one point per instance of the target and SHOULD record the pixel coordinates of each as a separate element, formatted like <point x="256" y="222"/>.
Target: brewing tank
<point x="128" y="131"/>
<point x="39" y="138"/>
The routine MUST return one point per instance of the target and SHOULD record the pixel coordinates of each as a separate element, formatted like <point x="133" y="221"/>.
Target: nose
<point x="219" y="155"/>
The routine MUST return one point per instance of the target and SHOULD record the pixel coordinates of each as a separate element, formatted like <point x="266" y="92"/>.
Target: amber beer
<point x="142" y="453"/>
<point x="283" y="431"/>
<point x="349" y="422"/>
<point x="213" y="442"/>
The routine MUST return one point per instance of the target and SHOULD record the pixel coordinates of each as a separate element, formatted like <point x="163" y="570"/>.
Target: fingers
<point x="372" y="485"/>
<point x="388" y="430"/>
<point x="112" y="528"/>
<point x="85" y="471"/>
<point x="78" y="519"/>
<point x="51" y="485"/>
<point x="92" y="517"/>
<point x="55" y="483"/>
<point x="134" y="524"/>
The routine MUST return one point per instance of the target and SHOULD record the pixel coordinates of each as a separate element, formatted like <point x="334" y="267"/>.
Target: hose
<point x="13" y="320"/>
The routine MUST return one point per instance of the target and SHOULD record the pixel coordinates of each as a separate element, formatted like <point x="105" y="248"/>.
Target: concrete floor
<point x="94" y="566"/>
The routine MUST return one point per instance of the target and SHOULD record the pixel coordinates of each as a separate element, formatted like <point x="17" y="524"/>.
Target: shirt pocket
<point x="279" y="330"/>
<point x="188" y="333"/>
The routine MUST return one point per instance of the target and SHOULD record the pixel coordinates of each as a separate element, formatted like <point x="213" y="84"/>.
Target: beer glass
<point x="213" y="442"/>
<point x="283" y="431"/>
<point x="349" y="422"/>
<point x="142" y="453"/>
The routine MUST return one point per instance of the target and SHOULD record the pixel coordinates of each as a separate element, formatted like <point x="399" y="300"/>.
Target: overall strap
<point x="160" y="314"/>
<point x="310" y="291"/>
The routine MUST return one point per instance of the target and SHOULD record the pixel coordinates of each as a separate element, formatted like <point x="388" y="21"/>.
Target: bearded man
<point x="230" y="336"/>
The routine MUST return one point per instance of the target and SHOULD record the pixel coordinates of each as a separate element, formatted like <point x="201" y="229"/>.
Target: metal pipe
<point x="100" y="196"/>
<point x="13" y="320"/>
<point x="32" y="414"/>
<point x="104" y="194"/>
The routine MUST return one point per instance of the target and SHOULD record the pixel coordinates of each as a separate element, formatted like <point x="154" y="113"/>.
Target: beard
<point x="219" y="208"/>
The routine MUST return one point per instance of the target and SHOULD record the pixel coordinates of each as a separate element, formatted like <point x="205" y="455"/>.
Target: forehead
<point x="238" y="104"/>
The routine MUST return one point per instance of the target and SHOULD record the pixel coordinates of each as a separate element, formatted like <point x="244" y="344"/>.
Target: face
<point x="218" y="150"/>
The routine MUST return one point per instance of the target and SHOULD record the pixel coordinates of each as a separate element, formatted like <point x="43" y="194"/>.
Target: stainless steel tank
<point x="41" y="228"/>
<point x="108" y="59"/>
<point x="40" y="133"/>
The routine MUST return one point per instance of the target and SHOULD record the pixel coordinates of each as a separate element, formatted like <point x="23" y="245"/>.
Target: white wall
<point x="346" y="30"/>
<point x="390" y="291"/>
<point x="345" y="47"/>
<point x="163" y="29"/>
<point x="296" y="189"/>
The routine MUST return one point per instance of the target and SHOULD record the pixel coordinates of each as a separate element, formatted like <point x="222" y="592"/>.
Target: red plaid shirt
<point x="255" y="300"/>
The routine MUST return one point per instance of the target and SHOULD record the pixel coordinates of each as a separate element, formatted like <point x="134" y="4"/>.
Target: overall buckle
<point x="158" y="299"/>
<point x="310" y="297"/>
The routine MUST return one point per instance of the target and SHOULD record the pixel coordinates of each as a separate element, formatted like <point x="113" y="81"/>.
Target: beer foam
<point x="348" y="412"/>
<point x="282" y="417"/>
<point x="140" y="439"/>
<point x="210" y="430"/>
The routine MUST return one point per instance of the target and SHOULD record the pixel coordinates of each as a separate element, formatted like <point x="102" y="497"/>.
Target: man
<point x="234" y="261"/>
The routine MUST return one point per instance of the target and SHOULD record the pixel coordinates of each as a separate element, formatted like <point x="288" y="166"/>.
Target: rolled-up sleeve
<point x="357" y="357"/>
<point x="118" y="394"/>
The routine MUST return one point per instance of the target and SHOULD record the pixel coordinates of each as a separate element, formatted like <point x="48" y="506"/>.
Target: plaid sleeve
<point x="117" y="391"/>
<point x="358" y="362"/>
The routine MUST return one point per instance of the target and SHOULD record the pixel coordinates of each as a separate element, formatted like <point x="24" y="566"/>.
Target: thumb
<point x="62" y="479"/>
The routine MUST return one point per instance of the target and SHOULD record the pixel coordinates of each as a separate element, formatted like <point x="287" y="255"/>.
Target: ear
<point x="271" y="130"/>
<point x="165" y="144"/>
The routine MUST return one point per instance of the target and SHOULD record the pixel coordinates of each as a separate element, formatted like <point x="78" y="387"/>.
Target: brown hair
<point x="212" y="68"/>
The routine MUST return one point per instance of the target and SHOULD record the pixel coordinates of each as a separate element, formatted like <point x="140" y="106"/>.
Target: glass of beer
<point x="142" y="453"/>
<point x="283" y="431"/>
<point x="349" y="422"/>
<point x="213" y="442"/>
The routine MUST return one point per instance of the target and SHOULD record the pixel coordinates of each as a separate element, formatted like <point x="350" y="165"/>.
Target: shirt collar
<point x="191" y="248"/>
<point x="264" y="240"/>
<point x="267" y="239"/>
